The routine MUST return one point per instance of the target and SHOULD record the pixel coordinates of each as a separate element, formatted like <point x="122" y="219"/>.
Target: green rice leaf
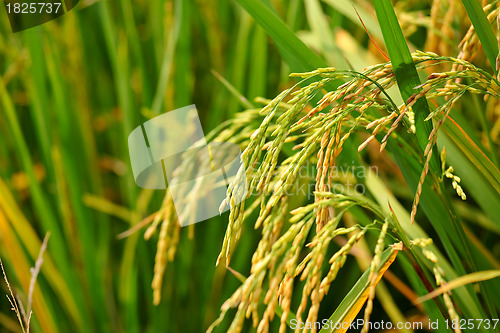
<point x="297" y="55"/>
<point x="403" y="66"/>
<point x="357" y="296"/>
<point x="483" y="30"/>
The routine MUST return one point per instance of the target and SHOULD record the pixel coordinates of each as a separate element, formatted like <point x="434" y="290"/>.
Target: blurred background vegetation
<point x="72" y="90"/>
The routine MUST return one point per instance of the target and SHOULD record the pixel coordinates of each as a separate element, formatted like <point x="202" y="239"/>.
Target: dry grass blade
<point x="458" y="282"/>
<point x="24" y="316"/>
<point x="35" y="271"/>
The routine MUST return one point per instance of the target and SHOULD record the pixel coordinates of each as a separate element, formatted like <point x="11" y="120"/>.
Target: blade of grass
<point x="407" y="79"/>
<point x="87" y="245"/>
<point x="486" y="129"/>
<point x="357" y="296"/>
<point x="484" y="31"/>
<point x="298" y="56"/>
<point x="22" y="269"/>
<point x="292" y="21"/>
<point x="32" y="243"/>
<point x="473" y="153"/>
<point x="346" y="8"/>
<point x="38" y="93"/>
<point x="322" y="32"/>
<point x="239" y="62"/>
<point x="383" y="294"/>
<point x="259" y="64"/>
<point x="404" y="69"/>
<point x="133" y="38"/>
<point x="445" y="225"/>
<point x="118" y="56"/>
<point x="461" y="281"/>
<point x="183" y="76"/>
<point x="166" y="64"/>
<point x="384" y="198"/>
<point x="478" y="182"/>
<point x="41" y="203"/>
<point x="234" y="92"/>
